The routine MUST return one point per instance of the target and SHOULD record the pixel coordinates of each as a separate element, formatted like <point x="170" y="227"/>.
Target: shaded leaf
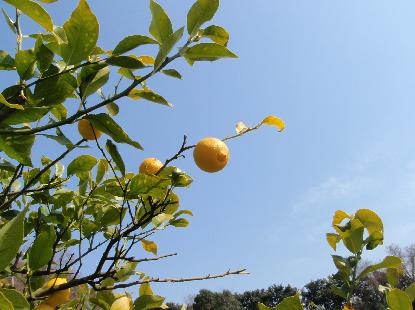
<point x="16" y="298"/>
<point x="10" y="105"/>
<point x="106" y="124"/>
<point x="173" y="73"/>
<point x="332" y="240"/>
<point x="81" y="164"/>
<point x="167" y="46"/>
<point x="217" y="34"/>
<point x="9" y="21"/>
<point x="5" y="303"/>
<point x="146" y="302"/>
<point x="149" y="95"/>
<point x="18" y="147"/>
<point x="398" y="300"/>
<point x="25" y="63"/>
<point x="128" y="62"/>
<point x="115" y="155"/>
<point x="6" y="61"/>
<point x="131" y="42"/>
<point x="207" y="52"/>
<point x="102" y="169"/>
<point x="113" y="108"/>
<point x="41" y="251"/>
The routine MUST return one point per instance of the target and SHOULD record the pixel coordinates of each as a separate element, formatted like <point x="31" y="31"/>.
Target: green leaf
<point x="16" y="298"/>
<point x="127" y="73"/>
<point x="10" y="105"/>
<point x="9" y="21"/>
<point x="181" y="222"/>
<point x="41" y="251"/>
<point x="352" y="237"/>
<point x="83" y="163"/>
<point x="18" y="147"/>
<point x="28" y="115"/>
<point x="115" y="155"/>
<point x="200" y="12"/>
<point x="34" y="11"/>
<point x="128" y="62"/>
<point x="167" y="46"/>
<point x="11" y="238"/>
<point x="398" y="300"/>
<point x="160" y="27"/>
<point x="148" y="184"/>
<point x="5" y="303"/>
<point x="101" y="170"/>
<point x="410" y="291"/>
<point x="149" y="95"/>
<point x="261" y="306"/>
<point x="107" y="125"/>
<point x="93" y="78"/>
<point x="290" y="303"/>
<point x="82" y="31"/>
<point x="113" y="108"/>
<point x="59" y="111"/>
<point x="173" y="73"/>
<point x="147" y="302"/>
<point x="217" y="34"/>
<point x="388" y="262"/>
<point x="126" y="271"/>
<point x="370" y="220"/>
<point x="25" y="63"/>
<point x="6" y="61"/>
<point x="131" y="42"/>
<point x="207" y="52"/>
<point x="332" y="240"/>
<point x="149" y="246"/>
<point x="44" y="56"/>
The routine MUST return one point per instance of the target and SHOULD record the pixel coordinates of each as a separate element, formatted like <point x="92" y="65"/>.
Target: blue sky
<point x="341" y="74"/>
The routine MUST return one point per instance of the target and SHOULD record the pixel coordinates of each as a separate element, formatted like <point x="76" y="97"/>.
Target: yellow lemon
<point x="44" y="307"/>
<point x="211" y="154"/>
<point x="59" y="297"/>
<point x="85" y="129"/>
<point x="122" y="303"/>
<point x="150" y="166"/>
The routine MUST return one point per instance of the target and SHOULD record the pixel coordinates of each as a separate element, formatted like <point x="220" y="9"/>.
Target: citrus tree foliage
<point x="52" y="217"/>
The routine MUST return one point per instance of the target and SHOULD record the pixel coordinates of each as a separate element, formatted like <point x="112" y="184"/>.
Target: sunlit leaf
<point x="240" y="127"/>
<point x="115" y="155"/>
<point x="200" y="12"/>
<point x="10" y="105"/>
<point x="18" y="147"/>
<point x="160" y="27"/>
<point x="34" y="11"/>
<point x="131" y="42"/>
<point x="83" y="163"/>
<point x="149" y="246"/>
<point x="149" y="95"/>
<point x="25" y="63"/>
<point x="274" y="121"/>
<point x="16" y="298"/>
<point x="398" y="300"/>
<point x="173" y="73"/>
<point x="207" y="52"/>
<point x="167" y="46"/>
<point x="332" y="240"/>
<point x="388" y="262"/>
<point x="217" y="34"/>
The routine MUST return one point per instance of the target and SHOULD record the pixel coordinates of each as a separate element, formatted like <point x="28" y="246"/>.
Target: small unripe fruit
<point x="150" y="166"/>
<point x="211" y="154"/>
<point x="122" y="303"/>
<point x="86" y="131"/>
<point x="60" y="297"/>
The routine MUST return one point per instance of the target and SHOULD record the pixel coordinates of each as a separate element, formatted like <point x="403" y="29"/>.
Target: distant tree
<point x="407" y="255"/>
<point x="319" y="293"/>
<point x="207" y="300"/>
<point x="269" y="297"/>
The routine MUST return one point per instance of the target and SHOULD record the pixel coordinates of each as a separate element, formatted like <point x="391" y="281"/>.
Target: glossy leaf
<point x="106" y="124"/>
<point x="173" y="73"/>
<point x="18" y="147"/>
<point x="11" y="238"/>
<point x="128" y="62"/>
<point x="149" y="95"/>
<point x="274" y="121"/>
<point x="115" y="155"/>
<point x="160" y="27"/>
<point x="167" y="46"/>
<point x="34" y="11"/>
<point x="41" y="251"/>
<point x="370" y="220"/>
<point x="217" y="34"/>
<point x="82" y="31"/>
<point x="83" y="163"/>
<point x="131" y="42"/>
<point x="398" y="300"/>
<point x="25" y="63"/>
<point x="207" y="52"/>
<point x="200" y="12"/>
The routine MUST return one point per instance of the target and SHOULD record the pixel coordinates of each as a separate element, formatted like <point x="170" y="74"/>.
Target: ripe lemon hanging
<point x="85" y="129"/>
<point x="44" y="307"/>
<point x="123" y="303"/>
<point x="211" y="154"/>
<point x="150" y="166"/>
<point x="60" y="297"/>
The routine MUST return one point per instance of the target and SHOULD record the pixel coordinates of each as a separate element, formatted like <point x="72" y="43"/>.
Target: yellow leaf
<point x="145" y="289"/>
<point x="147" y="60"/>
<point x="134" y="94"/>
<point x="240" y="127"/>
<point x="332" y="240"/>
<point x="275" y="121"/>
<point x="339" y="216"/>
<point x="149" y="246"/>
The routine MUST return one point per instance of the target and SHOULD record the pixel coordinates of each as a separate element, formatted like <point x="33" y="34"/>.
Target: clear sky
<point x="340" y="73"/>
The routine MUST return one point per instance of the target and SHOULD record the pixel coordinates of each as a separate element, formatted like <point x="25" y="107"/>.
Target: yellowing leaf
<point x="240" y="127"/>
<point x="149" y="246"/>
<point x="339" y="216"/>
<point x="145" y="289"/>
<point x="147" y="60"/>
<point x="274" y="121"/>
<point x="332" y="240"/>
